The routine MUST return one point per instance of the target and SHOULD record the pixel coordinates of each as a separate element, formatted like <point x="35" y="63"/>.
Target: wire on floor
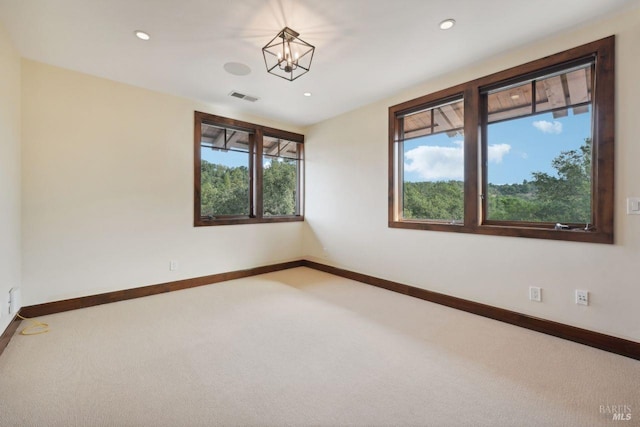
<point x="35" y="328"/>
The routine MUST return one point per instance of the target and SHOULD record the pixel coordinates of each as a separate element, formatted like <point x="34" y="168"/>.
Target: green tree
<point x="441" y="200"/>
<point x="511" y="207"/>
<point x="279" y="187"/>
<point x="567" y="197"/>
<point x="224" y="190"/>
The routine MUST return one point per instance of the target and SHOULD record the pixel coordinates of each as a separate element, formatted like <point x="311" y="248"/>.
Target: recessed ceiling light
<point x="307" y="94"/>
<point x="142" y="35"/>
<point x="447" y="24"/>
<point x="515" y="96"/>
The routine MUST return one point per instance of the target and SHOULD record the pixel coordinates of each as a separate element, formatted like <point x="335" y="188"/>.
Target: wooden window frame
<point x="603" y="105"/>
<point x="257" y="132"/>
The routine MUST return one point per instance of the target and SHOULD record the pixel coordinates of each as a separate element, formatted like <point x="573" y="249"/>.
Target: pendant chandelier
<point x="287" y="55"/>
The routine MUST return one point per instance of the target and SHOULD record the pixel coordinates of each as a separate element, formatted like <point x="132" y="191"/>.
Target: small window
<point x="225" y="172"/>
<point x="432" y="163"/>
<point x="231" y="186"/>
<point x="525" y="152"/>
<point x="281" y="165"/>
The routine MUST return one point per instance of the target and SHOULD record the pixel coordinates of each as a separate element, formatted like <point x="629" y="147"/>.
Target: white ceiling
<point x="365" y="49"/>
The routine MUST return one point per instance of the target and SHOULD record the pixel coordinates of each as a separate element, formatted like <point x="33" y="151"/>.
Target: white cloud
<point x="497" y="151"/>
<point x="548" y="127"/>
<point x="435" y="163"/>
<point x="445" y="163"/>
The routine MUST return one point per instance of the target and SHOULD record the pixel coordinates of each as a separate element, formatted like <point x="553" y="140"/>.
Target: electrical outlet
<point x="535" y="293"/>
<point x="173" y="265"/>
<point x="582" y="297"/>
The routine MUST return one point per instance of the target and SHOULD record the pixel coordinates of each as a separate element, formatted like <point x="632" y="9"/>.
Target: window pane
<point x="224" y="184"/>
<point x="539" y="168"/>
<point x="280" y="163"/>
<point x="433" y="164"/>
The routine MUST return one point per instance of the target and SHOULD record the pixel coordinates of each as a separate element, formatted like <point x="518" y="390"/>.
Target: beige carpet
<point x="301" y="347"/>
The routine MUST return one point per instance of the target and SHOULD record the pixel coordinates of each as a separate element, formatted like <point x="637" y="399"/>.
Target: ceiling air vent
<point x="243" y="96"/>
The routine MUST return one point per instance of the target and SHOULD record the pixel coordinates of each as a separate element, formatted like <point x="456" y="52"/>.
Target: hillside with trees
<point x="225" y="190"/>
<point x="565" y="197"/>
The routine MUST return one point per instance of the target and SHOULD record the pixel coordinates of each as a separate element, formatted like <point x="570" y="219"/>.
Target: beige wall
<point x="108" y="191"/>
<point x="9" y="174"/>
<point x="347" y="210"/>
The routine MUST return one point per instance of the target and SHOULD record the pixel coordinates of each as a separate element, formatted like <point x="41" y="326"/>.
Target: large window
<point x="524" y="152"/>
<point x="539" y="137"/>
<point x="245" y="173"/>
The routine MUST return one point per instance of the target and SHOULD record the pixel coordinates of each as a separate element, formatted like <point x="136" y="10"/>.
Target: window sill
<point x="573" y="235"/>
<point x="203" y="222"/>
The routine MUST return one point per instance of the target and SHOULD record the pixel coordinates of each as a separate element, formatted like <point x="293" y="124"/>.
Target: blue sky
<point x="516" y="149"/>
<point x="227" y="158"/>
